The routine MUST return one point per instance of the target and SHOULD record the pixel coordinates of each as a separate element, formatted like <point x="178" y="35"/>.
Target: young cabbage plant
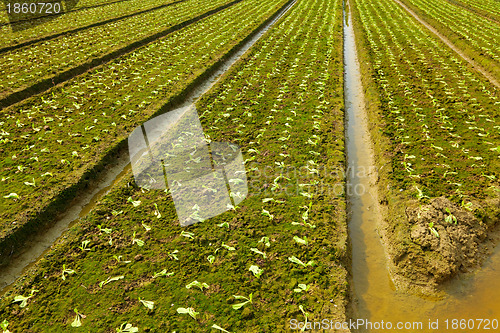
<point x="105" y="230"/>
<point x="66" y="271"/>
<point x="187" y="234"/>
<point x="84" y="247"/>
<point x="306" y="315"/>
<point x="433" y="230"/>
<point x="240" y="305"/>
<point x="149" y="304"/>
<point x="229" y="248"/>
<point x="295" y="260"/>
<point x="263" y="254"/>
<point x="3" y="325"/>
<point x="134" y="203"/>
<point x="197" y="284"/>
<point x="256" y="270"/>
<point x="450" y="218"/>
<point x="302" y="287"/>
<point x="266" y="213"/>
<point x="162" y="273"/>
<point x="189" y="311"/>
<point x="224" y="224"/>
<point x="77" y="322"/>
<point x="137" y="240"/>
<point x="24" y="299"/>
<point x="110" y="279"/>
<point x="146" y="227"/>
<point x="300" y="240"/>
<point x="265" y="240"/>
<point x="127" y="328"/>
<point x="119" y="259"/>
<point x="11" y="195"/>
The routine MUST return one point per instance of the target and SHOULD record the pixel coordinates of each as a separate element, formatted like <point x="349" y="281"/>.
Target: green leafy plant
<point x="127" y="328"/>
<point x="149" y="304"/>
<point x="433" y="230"/>
<point x="78" y="317"/>
<point x="253" y="249"/>
<point x="295" y="260"/>
<point x="110" y="279"/>
<point x="173" y="254"/>
<point x="300" y="240"/>
<point x="306" y="316"/>
<point x="162" y="273"/>
<point x="134" y="203"/>
<point x="211" y="259"/>
<point x="3" y="326"/>
<point x="240" y="305"/>
<point x="197" y="284"/>
<point x="137" y="241"/>
<point x="24" y="299"/>
<point x="84" y="247"/>
<point x="189" y="311"/>
<point x="450" y="218"/>
<point x="265" y="240"/>
<point x="66" y="271"/>
<point x="256" y="270"/>
<point x="302" y="287"/>
<point x="217" y="327"/>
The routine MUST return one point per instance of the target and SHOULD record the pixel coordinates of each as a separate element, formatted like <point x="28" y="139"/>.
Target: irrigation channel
<point x="471" y="296"/>
<point x="35" y="248"/>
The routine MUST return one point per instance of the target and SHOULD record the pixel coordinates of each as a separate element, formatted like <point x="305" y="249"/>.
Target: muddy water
<point x="35" y="248"/>
<point x="474" y="296"/>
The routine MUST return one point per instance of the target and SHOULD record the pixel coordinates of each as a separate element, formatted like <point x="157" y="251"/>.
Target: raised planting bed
<point x="436" y="132"/>
<point x="477" y="36"/>
<point x="44" y="64"/>
<point x="52" y="144"/>
<point x="279" y="255"/>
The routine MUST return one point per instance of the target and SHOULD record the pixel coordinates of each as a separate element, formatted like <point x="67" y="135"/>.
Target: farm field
<point x="345" y="155"/>
<point x="28" y="30"/>
<point x="51" y="141"/>
<point x="437" y="135"/>
<point x="24" y="67"/>
<point x="303" y="234"/>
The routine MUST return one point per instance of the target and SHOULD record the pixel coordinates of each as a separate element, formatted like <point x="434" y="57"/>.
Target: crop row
<point x="27" y="30"/>
<point x="130" y="263"/>
<point x="50" y="141"/>
<point x="438" y="118"/>
<point x="34" y="63"/>
<point x="476" y="35"/>
<point x="487" y="8"/>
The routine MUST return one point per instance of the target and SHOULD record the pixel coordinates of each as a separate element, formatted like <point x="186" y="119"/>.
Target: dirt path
<point x="474" y="64"/>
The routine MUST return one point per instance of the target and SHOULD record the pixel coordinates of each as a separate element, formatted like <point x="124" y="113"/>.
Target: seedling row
<point x="31" y="64"/>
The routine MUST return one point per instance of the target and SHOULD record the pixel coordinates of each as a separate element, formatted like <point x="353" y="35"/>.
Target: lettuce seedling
<point x="306" y="315"/>
<point x="24" y="299"/>
<point x="265" y="240"/>
<point x="266" y="213"/>
<point x="230" y="248"/>
<point x="295" y="260"/>
<point x="173" y="254"/>
<point x="256" y="270"/>
<point x="302" y="287"/>
<point x="149" y="304"/>
<point x="189" y="311"/>
<point x="433" y="230"/>
<point x="78" y="317"/>
<point x="162" y="273"/>
<point x="84" y="247"/>
<point x="11" y="195"/>
<point x="110" y="279"/>
<point x="134" y="203"/>
<point x="253" y="249"/>
<point x="197" y="284"/>
<point x="211" y="259"/>
<point x="127" y="328"/>
<point x="187" y="234"/>
<point x="119" y="259"/>
<point x="105" y="230"/>
<point x="240" y="305"/>
<point x="66" y="271"/>
<point x="137" y="240"/>
<point x="300" y="240"/>
<point x="3" y="326"/>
